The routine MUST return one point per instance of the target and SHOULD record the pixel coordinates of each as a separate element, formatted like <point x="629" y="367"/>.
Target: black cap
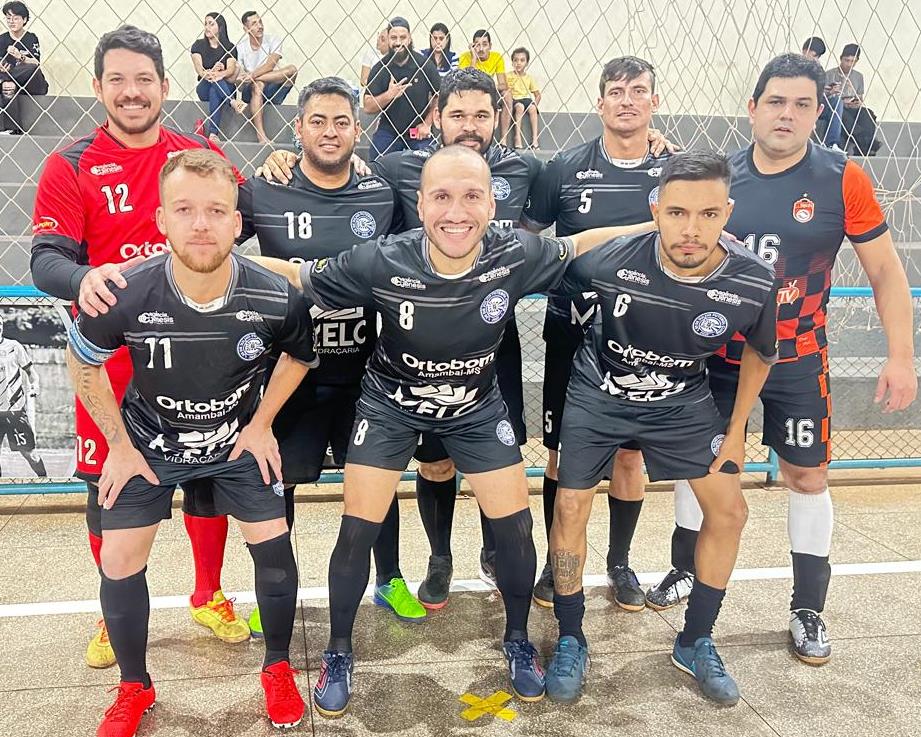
<point x="398" y="21"/>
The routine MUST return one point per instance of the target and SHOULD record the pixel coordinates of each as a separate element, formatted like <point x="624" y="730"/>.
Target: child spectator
<point x="525" y="95"/>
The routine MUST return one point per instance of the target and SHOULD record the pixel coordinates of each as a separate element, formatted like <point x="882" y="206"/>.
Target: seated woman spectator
<point x="525" y="95"/>
<point x="215" y="60"/>
<point x="440" y="49"/>
<point x="374" y="54"/>
<point x="20" y="55"/>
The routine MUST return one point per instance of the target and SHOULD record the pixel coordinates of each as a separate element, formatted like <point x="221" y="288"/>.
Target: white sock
<point x="688" y="513"/>
<point x="810" y="520"/>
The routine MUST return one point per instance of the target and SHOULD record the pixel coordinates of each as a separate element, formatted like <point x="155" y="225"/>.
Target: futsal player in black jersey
<point x="467" y="115"/>
<point x="324" y="209"/>
<point x="668" y="301"/>
<point x="199" y="324"/>
<point x="445" y="294"/>
<point x="605" y="181"/>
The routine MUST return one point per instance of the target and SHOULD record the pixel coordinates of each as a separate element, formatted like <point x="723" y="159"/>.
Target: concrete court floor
<point x="409" y="678"/>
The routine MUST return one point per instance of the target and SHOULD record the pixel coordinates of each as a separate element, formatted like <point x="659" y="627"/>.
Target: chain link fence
<point x="707" y="55"/>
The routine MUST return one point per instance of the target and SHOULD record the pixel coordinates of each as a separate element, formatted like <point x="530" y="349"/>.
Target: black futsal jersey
<point x="198" y="369"/>
<point x="655" y="332"/>
<point x="440" y="335"/>
<point x="583" y="188"/>
<point x="513" y="176"/>
<point x="301" y="222"/>
<point x="797" y="220"/>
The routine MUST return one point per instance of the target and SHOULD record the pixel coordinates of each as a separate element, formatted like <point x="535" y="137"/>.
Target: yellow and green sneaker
<point x="395" y="596"/>
<point x="219" y="617"/>
<point x="99" y="653"/>
<point x="255" y="624"/>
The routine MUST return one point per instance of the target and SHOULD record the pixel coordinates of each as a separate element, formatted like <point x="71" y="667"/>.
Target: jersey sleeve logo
<point x="803" y="210"/>
<point x="501" y="189"/>
<point x="44" y="224"/>
<point x="710" y="324"/>
<point x="250" y="347"/>
<point x="363" y="224"/>
<point x="494" y="306"/>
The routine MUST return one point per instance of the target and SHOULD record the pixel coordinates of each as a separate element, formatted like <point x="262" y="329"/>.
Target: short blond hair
<point x="201" y="161"/>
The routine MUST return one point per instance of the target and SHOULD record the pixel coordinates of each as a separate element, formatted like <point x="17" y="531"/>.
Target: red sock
<point x="208" y="536"/>
<point x="96" y="548"/>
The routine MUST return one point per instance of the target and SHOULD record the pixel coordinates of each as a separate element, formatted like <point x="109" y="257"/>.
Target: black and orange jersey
<point x="797" y="220"/>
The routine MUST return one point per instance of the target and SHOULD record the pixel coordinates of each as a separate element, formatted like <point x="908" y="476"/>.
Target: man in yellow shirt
<point x="490" y="62"/>
<point x="525" y="95"/>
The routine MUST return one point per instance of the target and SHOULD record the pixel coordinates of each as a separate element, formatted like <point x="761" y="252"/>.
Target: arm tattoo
<point x="567" y="571"/>
<point x="92" y="387"/>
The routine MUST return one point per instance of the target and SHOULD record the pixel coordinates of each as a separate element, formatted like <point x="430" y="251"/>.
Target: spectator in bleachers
<point x="260" y="77"/>
<point x="403" y="86"/>
<point x="439" y="49"/>
<point x="525" y="95"/>
<point x="374" y="54"/>
<point x="858" y="121"/>
<point x="491" y="62"/>
<point x="20" y="72"/>
<point x="828" y="127"/>
<point x="215" y="60"/>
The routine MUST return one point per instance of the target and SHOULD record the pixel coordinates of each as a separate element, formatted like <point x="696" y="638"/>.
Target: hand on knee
<point x="438" y="470"/>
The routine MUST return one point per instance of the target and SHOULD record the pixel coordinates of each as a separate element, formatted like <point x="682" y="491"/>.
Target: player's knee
<point x="438" y="470"/>
<point x="628" y="462"/>
<point x="804" y="480"/>
<point x="570" y="508"/>
<point x="731" y="517"/>
<point x="119" y="562"/>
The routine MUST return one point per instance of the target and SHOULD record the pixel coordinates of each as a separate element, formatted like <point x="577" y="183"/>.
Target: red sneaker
<point x="282" y="699"/>
<point x="124" y="716"/>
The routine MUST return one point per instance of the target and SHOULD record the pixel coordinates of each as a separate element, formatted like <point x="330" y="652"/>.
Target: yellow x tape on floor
<point x="490" y="705"/>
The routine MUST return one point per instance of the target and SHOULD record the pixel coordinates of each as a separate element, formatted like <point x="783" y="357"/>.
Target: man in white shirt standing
<point x="261" y="79"/>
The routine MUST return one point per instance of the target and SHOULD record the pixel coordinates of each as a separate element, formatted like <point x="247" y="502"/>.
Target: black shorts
<point x="797" y="406"/>
<point x="525" y="102"/>
<point x="314" y="419"/>
<point x="508" y="374"/>
<point x="385" y="436"/>
<point x="560" y="346"/>
<point x="237" y="485"/>
<point x="678" y="441"/>
<point x="15" y="427"/>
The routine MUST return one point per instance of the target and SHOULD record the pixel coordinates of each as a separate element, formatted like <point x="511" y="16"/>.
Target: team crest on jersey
<point x="710" y="324"/>
<point x="501" y="189"/>
<point x="250" y="347"/>
<point x="505" y="433"/>
<point x="788" y="293"/>
<point x="654" y="196"/>
<point x="494" y="306"/>
<point x="45" y="222"/>
<point x="100" y="170"/>
<point x="803" y="210"/>
<point x="363" y="224"/>
<point x="155" y="318"/>
<point x="717" y="443"/>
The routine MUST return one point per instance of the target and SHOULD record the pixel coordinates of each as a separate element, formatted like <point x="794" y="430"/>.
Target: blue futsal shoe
<point x="567" y="670"/>
<point x="524" y="670"/>
<point x="334" y="686"/>
<point x="704" y="663"/>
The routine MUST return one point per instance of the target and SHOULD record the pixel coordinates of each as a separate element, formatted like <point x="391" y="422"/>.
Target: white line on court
<point x="314" y="593"/>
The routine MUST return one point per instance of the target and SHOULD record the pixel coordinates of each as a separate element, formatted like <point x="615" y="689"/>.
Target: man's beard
<point x="328" y="167"/>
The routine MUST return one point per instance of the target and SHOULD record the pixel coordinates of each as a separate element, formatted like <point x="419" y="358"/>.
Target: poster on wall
<point x="36" y="398"/>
